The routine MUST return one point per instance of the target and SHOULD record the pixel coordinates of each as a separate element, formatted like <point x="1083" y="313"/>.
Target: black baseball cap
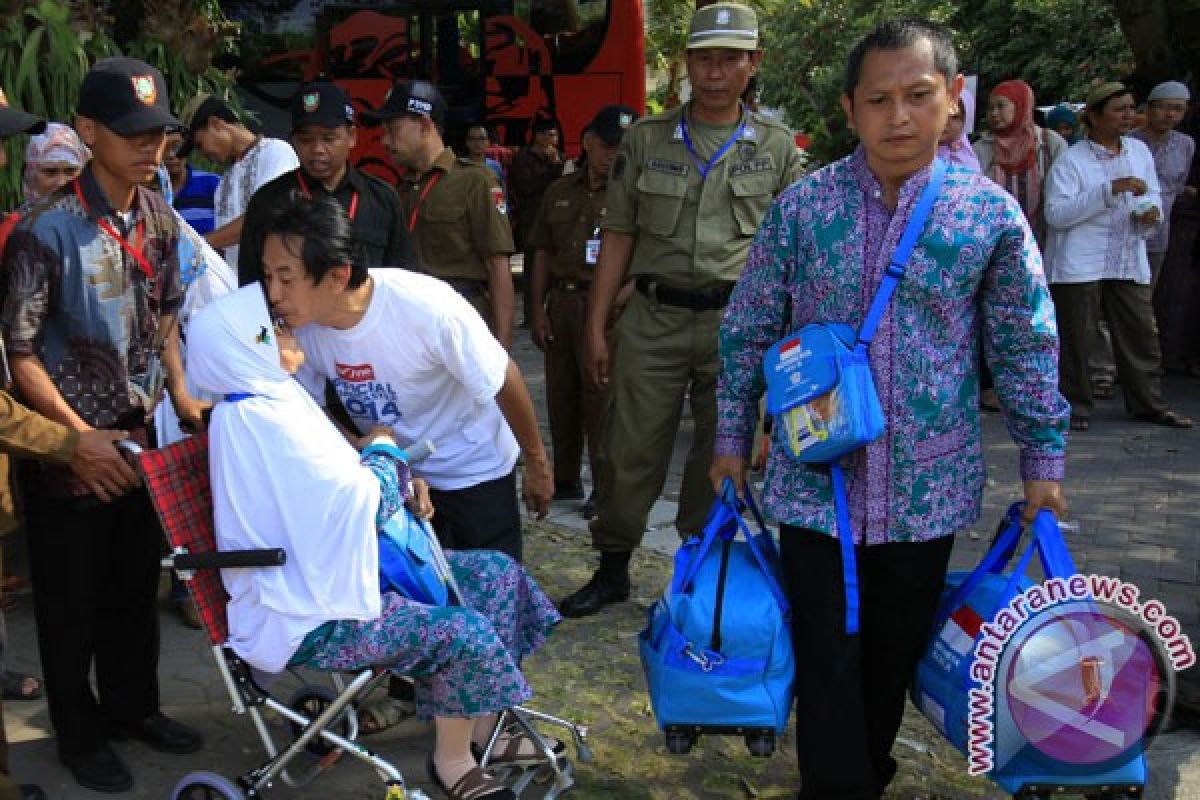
<point x="611" y="122"/>
<point x="409" y="97"/>
<point x="195" y="115"/>
<point x="321" y="102"/>
<point x="127" y="96"/>
<point x="13" y="121"/>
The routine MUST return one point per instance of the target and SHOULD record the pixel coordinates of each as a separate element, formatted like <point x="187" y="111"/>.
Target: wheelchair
<point x="322" y="718"/>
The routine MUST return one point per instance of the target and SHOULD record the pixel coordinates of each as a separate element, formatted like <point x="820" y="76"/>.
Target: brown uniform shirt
<point x="457" y="215"/>
<point x="570" y="216"/>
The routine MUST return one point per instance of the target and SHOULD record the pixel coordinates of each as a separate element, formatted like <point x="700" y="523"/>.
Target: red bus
<point x="501" y="63"/>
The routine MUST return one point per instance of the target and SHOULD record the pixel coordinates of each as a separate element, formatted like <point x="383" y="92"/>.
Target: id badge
<point x="591" y="252"/>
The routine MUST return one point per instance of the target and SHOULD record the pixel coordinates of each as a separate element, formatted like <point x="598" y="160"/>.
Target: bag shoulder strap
<point x="896" y="267"/>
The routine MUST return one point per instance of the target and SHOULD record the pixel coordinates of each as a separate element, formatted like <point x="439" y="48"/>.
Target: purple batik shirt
<point x="975" y="275"/>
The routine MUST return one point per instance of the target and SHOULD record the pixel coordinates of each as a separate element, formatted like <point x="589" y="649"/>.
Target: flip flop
<point x="21" y="686"/>
<point x="1169" y="419"/>
<point x="378" y="716"/>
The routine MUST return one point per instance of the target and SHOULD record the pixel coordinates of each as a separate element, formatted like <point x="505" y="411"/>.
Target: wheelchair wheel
<point x="206" y="786"/>
<point x="311" y="701"/>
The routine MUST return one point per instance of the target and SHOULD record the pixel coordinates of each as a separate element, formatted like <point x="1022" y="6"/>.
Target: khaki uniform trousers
<point x="576" y="409"/>
<point x="1127" y="309"/>
<point x="665" y="351"/>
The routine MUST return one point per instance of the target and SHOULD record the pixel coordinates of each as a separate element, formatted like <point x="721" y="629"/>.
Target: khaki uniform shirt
<point x="26" y="434"/>
<point x="695" y="232"/>
<point x="459" y="222"/>
<point x="570" y="216"/>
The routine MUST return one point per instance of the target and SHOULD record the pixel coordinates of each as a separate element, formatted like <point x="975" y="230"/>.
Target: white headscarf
<point x="282" y="476"/>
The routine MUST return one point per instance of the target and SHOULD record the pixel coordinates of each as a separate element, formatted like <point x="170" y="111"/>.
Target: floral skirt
<point x="464" y="659"/>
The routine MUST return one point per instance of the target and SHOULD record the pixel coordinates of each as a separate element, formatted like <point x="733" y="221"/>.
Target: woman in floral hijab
<point x="52" y="160"/>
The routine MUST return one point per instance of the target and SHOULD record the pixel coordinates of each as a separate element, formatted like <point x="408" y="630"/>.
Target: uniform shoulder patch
<point x="498" y="200"/>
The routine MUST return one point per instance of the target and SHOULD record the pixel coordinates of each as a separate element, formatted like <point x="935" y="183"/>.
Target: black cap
<point x="127" y="96"/>
<point x="195" y="115"/>
<point x="409" y="97"/>
<point x="321" y="102"/>
<point x="611" y="122"/>
<point x="13" y="122"/>
<point x="543" y="125"/>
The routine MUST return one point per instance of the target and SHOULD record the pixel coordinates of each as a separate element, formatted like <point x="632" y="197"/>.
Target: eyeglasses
<point x="477" y="138"/>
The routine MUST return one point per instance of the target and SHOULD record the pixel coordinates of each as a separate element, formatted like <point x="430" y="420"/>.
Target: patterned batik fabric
<point x="821" y="252"/>
<point x="465" y="659"/>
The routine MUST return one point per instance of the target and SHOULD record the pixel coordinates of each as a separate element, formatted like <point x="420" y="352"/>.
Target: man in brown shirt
<point x="532" y="171"/>
<point x="566" y="244"/>
<point x="452" y="207"/>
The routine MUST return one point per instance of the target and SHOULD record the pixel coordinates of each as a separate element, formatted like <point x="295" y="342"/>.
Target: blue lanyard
<point x="235" y="397"/>
<point x="717" y="156"/>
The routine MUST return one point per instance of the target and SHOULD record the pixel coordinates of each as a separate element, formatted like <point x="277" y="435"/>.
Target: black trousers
<point x="95" y="572"/>
<point x="850" y="691"/>
<point x="485" y="516"/>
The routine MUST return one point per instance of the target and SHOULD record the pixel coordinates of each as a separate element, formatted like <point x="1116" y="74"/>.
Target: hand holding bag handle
<point x="1045" y="538"/>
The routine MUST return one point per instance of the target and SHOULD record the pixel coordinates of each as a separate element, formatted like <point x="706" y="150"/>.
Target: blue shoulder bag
<point x="822" y="395"/>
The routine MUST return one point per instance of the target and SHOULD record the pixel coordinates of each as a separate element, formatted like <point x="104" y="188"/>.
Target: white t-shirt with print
<point x="422" y="361"/>
<point x="262" y="163"/>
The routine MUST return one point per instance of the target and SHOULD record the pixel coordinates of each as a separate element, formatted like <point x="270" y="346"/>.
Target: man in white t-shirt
<point x="407" y="352"/>
<point x="252" y="160"/>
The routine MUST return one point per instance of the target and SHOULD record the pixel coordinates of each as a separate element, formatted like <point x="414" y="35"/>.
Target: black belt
<point x="564" y="285"/>
<point x="695" y="299"/>
<point x="467" y="288"/>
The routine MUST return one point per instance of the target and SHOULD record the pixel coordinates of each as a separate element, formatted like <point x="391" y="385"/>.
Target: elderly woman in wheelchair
<point x="283" y="476"/>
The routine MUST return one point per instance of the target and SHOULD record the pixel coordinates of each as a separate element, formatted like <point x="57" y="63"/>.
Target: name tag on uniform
<point x="761" y="164"/>
<point x="669" y="167"/>
<point x="591" y="252"/>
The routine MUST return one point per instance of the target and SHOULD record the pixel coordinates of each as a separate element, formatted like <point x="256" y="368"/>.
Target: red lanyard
<point x="353" y="198"/>
<point x="139" y="254"/>
<point x="412" y="219"/>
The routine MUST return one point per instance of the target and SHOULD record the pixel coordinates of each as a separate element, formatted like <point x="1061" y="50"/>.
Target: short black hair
<point x="325" y="231"/>
<point x="897" y="34"/>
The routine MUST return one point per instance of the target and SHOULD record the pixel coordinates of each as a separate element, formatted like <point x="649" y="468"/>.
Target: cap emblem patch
<point x="311" y="102"/>
<point x="144" y="89"/>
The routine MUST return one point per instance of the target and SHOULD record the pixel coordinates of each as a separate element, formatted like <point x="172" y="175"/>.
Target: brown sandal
<point x="508" y="751"/>
<point x="475" y="785"/>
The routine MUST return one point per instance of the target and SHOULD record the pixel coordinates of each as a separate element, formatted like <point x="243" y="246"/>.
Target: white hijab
<point x="282" y="476"/>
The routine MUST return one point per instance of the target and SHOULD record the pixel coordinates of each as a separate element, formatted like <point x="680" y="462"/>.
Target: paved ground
<point x="1133" y="490"/>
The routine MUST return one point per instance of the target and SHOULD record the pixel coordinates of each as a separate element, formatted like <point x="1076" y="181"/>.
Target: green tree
<point x="1059" y="47"/>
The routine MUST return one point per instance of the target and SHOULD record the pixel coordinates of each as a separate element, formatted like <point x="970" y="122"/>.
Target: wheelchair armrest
<point x="269" y="557"/>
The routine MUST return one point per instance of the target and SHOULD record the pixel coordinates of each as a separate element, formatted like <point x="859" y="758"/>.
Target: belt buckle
<point x="652" y="291"/>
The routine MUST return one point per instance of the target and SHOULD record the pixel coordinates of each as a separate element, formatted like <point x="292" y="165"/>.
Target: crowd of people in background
<point x="644" y="287"/>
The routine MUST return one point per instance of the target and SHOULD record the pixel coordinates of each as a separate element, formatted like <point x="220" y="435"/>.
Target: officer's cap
<point x="731" y="26"/>
<point x="611" y="122"/>
<point x="321" y="102"/>
<point x="409" y="97"/>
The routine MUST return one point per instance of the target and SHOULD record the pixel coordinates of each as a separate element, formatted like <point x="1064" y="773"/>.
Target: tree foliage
<point x="1059" y="47"/>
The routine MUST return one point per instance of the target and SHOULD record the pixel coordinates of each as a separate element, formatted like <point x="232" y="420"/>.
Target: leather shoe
<point x="568" y="490"/>
<point x="31" y="791"/>
<point x="600" y="591"/>
<point x="162" y="734"/>
<point x="100" y="770"/>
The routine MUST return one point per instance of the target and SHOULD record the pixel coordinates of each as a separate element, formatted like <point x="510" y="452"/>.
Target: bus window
<point x="573" y="30"/>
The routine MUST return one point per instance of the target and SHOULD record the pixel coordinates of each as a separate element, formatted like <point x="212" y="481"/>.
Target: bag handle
<point x="1045" y="538"/>
<point x="758" y="543"/>
<point x="720" y="517"/>
<point x="899" y="263"/>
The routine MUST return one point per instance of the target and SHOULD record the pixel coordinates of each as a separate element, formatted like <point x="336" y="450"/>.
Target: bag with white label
<point x="1032" y="730"/>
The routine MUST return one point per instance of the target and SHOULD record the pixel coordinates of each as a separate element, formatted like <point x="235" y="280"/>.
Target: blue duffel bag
<point x="717" y="649"/>
<point x="946" y="691"/>
<point x="407" y="563"/>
